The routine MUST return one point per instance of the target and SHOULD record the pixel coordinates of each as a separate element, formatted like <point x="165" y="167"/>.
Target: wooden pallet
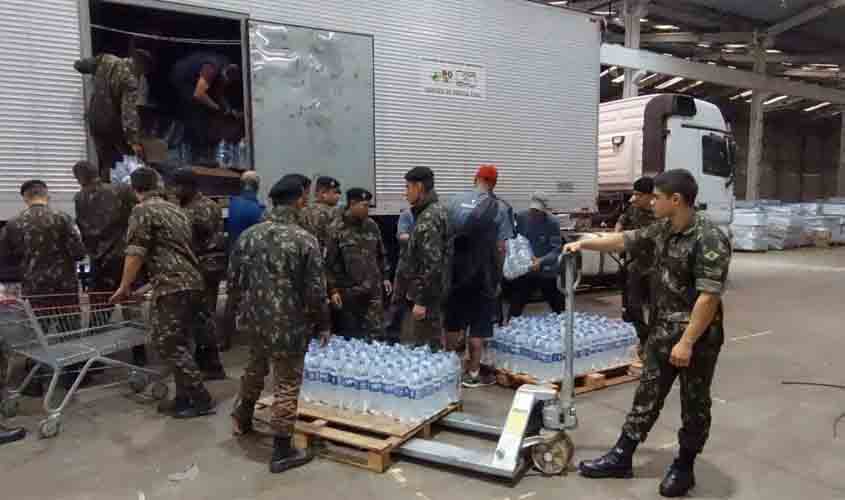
<point x="365" y="441"/>
<point x="610" y="377"/>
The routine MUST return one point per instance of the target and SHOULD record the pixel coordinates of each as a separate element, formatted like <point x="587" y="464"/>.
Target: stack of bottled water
<point x="407" y="384"/>
<point x="534" y="345"/>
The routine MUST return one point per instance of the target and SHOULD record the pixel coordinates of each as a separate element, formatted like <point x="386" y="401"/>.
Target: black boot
<point x="200" y="404"/>
<point x="178" y="403"/>
<point x="285" y="456"/>
<point x="242" y="417"/>
<point x="11" y="434"/>
<point x="680" y="477"/>
<point x="208" y="361"/>
<point x="615" y="463"/>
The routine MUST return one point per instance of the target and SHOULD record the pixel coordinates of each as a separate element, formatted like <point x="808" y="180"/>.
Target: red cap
<point x="488" y="173"/>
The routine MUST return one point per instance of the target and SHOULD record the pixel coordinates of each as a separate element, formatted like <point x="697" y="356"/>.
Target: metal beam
<point x="804" y="17"/>
<point x="756" y="126"/>
<point x="840" y="183"/>
<point x="697" y="16"/>
<point x="633" y="10"/>
<point x="688" y="37"/>
<point x="817" y="58"/>
<point x="590" y="5"/>
<point x="616" y="55"/>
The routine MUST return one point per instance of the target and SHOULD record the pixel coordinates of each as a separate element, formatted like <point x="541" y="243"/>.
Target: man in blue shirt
<point x="244" y="211"/>
<point x="542" y="229"/>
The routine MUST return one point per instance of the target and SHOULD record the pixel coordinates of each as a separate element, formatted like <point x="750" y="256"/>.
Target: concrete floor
<point x="769" y="441"/>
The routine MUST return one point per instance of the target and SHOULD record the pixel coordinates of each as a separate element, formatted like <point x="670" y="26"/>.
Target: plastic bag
<point x="122" y="170"/>
<point x="519" y="258"/>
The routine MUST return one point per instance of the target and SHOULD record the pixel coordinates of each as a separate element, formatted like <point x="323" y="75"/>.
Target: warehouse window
<point x="716" y="156"/>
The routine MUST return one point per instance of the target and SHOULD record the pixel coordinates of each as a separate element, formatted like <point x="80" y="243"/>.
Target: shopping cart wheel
<point x="552" y="458"/>
<point x="159" y="390"/>
<point x="49" y="427"/>
<point x="138" y="381"/>
<point x="9" y="409"/>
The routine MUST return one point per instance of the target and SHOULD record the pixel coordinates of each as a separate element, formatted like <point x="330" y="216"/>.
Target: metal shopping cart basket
<point x="60" y="331"/>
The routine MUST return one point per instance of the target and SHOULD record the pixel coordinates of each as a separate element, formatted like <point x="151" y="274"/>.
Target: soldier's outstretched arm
<point x="86" y="66"/>
<point x="608" y="242"/>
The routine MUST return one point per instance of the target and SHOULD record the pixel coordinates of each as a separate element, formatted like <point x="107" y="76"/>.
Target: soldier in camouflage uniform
<point x="47" y="244"/>
<point x="636" y="292"/>
<point x="278" y="270"/>
<point x="102" y="214"/>
<point x="355" y="268"/>
<point x="318" y="216"/>
<point x="113" y="110"/>
<point x="691" y="257"/>
<point x="208" y="244"/>
<point x="423" y="271"/>
<point x="159" y="238"/>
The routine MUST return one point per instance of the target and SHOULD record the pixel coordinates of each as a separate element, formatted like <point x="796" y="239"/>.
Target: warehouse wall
<point x="800" y="160"/>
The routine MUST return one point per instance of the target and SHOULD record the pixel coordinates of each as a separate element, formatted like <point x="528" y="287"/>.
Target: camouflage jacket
<point x="276" y="270"/>
<point x="424" y="267"/>
<point x="114" y="102"/>
<point x="102" y="214"/>
<point x="160" y="232"/>
<point x="209" y="241"/>
<point x="316" y="219"/>
<point x="355" y="257"/>
<point x="638" y="218"/>
<point x="47" y="244"/>
<point x="687" y="263"/>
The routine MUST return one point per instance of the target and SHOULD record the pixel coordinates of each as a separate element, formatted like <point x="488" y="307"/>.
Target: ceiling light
<point x="775" y="99"/>
<point x="604" y="12"/>
<point x="643" y="20"/>
<point x="649" y="77"/>
<point x="666" y="27"/>
<point x="732" y="67"/>
<point x="608" y="70"/>
<point x="773" y="51"/>
<point x="741" y="95"/>
<point x="563" y="2"/>
<point x="704" y="45"/>
<point x="669" y="83"/>
<point x="736" y="45"/>
<point x="619" y="79"/>
<point x="817" y="106"/>
<point x="691" y="86"/>
<point x="825" y="65"/>
<point x="711" y="63"/>
<point x="728" y="51"/>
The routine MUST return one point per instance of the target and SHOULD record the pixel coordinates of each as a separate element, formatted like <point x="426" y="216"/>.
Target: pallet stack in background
<point x="772" y="225"/>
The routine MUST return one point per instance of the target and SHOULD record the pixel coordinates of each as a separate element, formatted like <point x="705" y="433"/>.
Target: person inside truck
<point x="542" y="230"/>
<point x="635" y="274"/>
<point x="202" y="80"/>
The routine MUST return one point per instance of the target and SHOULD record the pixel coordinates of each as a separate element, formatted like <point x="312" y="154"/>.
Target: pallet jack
<point x="537" y="423"/>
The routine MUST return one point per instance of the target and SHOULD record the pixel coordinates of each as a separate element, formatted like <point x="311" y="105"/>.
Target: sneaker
<point x="472" y="381"/>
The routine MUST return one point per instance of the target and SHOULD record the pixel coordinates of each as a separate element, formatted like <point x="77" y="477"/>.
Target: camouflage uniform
<point x="316" y="219"/>
<point x="102" y="214"/>
<point x="209" y="245"/>
<point x="635" y="277"/>
<point x="113" y="110"/>
<point x="47" y="243"/>
<point x="686" y="264"/>
<point x="355" y="268"/>
<point x="278" y="271"/>
<point x="160" y="233"/>
<point x="424" y="269"/>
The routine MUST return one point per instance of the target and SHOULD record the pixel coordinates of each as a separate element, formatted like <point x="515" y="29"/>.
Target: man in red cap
<point x="481" y="223"/>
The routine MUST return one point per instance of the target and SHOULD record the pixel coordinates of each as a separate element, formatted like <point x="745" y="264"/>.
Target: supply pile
<point x="750" y="229"/>
<point x="534" y="345"/>
<point x="395" y="381"/>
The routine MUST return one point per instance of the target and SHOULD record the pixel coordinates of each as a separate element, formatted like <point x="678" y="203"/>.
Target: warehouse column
<point x="633" y="11"/>
<point x="755" y="128"/>
<point x="840" y="183"/>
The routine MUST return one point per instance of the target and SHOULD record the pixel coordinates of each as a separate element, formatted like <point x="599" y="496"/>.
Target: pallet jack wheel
<point x="138" y="381"/>
<point x="49" y="427"/>
<point x="9" y="408"/>
<point x="553" y="457"/>
<point x="159" y="391"/>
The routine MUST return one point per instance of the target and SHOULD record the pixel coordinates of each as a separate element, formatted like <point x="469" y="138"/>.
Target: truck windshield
<point x="716" y="155"/>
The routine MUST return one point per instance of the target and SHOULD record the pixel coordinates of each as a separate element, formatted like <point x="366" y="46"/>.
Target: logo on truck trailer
<point x="453" y="79"/>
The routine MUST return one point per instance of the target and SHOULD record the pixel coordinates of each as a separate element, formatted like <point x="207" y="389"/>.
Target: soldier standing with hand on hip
<point x="159" y="238"/>
<point x="692" y="257"/>
<point x="277" y="269"/>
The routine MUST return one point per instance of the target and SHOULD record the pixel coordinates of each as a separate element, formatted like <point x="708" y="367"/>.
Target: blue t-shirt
<point x="244" y="211"/>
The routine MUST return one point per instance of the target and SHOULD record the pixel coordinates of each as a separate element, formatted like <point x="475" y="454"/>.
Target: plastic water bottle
<point x="336" y="389"/>
<point x="362" y="384"/>
<point x="223" y="155"/>
<point x="349" y="392"/>
<point x="389" y="392"/>
<point x="244" y="161"/>
<point x="376" y="387"/>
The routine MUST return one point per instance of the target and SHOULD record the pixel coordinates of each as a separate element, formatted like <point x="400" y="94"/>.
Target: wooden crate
<point x="365" y="441"/>
<point x="610" y="377"/>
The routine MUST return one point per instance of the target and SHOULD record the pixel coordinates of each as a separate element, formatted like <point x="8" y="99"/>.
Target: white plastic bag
<point x="519" y="258"/>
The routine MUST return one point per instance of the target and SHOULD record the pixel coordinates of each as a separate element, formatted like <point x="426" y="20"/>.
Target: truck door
<point x="708" y="155"/>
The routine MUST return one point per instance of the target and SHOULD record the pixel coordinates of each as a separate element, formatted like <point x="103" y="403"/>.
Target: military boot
<point x="615" y="463"/>
<point x="201" y="403"/>
<point x="680" y="477"/>
<point x="11" y="434"/>
<point x="285" y="456"/>
<point x="208" y="361"/>
<point x="242" y="417"/>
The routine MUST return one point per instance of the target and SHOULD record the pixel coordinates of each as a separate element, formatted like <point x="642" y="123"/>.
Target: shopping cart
<point x="72" y="330"/>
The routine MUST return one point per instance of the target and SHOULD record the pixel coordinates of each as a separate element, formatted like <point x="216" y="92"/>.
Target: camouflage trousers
<point x="362" y="317"/>
<point x="656" y="382"/>
<point x="106" y="276"/>
<point x="287" y="381"/>
<point x="204" y="329"/>
<point x="110" y="150"/>
<point x="427" y="331"/>
<point x="171" y="317"/>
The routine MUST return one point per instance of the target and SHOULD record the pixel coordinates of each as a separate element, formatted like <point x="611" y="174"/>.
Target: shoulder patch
<point x="711" y="255"/>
